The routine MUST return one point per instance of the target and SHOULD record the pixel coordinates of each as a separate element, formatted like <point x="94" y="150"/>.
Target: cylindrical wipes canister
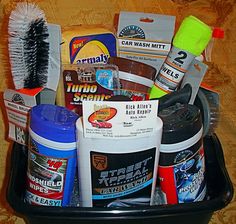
<point x="117" y="172"/>
<point x="182" y="164"/>
<point x="52" y="156"/>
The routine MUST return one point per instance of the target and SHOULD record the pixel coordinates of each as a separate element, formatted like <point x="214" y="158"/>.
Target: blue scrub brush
<point x="28" y="46"/>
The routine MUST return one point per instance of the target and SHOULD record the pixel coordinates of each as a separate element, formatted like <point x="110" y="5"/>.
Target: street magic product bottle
<point x="182" y="162"/>
<point x="52" y="155"/>
<point x="190" y="40"/>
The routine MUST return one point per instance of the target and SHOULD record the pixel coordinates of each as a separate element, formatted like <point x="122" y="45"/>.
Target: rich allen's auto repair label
<point x="182" y="174"/>
<point x="45" y="179"/>
<point x="122" y="180"/>
<point x="119" y="120"/>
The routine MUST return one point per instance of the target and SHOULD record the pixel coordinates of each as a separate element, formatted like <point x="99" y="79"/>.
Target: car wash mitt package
<point x="145" y="37"/>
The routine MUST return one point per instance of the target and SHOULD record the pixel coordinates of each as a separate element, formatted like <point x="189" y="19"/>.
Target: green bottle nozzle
<point x="193" y="35"/>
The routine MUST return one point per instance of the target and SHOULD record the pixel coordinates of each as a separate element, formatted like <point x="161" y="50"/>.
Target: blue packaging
<point x="52" y="155"/>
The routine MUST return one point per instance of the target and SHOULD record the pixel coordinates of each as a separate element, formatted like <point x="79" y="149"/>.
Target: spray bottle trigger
<point x="217" y="33"/>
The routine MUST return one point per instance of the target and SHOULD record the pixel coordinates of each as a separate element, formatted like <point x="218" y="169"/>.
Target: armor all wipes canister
<point x="52" y="156"/>
<point x="182" y="163"/>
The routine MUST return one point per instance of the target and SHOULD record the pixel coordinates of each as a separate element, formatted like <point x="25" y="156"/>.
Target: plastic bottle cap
<point x="53" y="122"/>
<point x="180" y="122"/>
<point x="193" y="35"/>
<point x="218" y="33"/>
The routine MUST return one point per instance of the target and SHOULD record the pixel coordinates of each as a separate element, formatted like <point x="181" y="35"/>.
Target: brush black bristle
<point x="28" y="45"/>
<point x="36" y="54"/>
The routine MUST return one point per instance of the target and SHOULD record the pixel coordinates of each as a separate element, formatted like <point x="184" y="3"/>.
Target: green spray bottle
<point x="189" y="42"/>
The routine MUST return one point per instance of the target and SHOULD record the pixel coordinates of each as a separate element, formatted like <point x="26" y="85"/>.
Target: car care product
<point x="136" y="78"/>
<point x="34" y="48"/>
<point x="207" y="100"/>
<point x="194" y="77"/>
<point x="145" y="37"/>
<point x="34" y="56"/>
<point x="87" y="44"/>
<point x="190" y="40"/>
<point x="96" y="82"/>
<point x="217" y="33"/>
<point x="182" y="162"/>
<point x="18" y="104"/>
<point x="28" y="46"/>
<point x="118" y="152"/>
<point x="52" y="155"/>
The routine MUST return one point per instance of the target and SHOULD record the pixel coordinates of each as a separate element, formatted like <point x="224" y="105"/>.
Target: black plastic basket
<point x="220" y="193"/>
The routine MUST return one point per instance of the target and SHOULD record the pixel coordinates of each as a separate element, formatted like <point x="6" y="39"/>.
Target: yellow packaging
<point x="87" y="45"/>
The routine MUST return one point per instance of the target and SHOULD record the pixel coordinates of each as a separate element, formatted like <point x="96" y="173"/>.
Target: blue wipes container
<point x="52" y="155"/>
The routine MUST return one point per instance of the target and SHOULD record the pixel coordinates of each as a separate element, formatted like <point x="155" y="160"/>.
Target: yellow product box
<point x="87" y="44"/>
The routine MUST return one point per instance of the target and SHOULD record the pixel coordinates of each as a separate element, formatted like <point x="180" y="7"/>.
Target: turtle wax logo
<point x="17" y="98"/>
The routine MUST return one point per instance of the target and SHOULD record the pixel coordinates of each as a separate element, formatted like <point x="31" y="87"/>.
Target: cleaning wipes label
<point x="112" y="119"/>
<point x="45" y="179"/>
<point x="122" y="180"/>
<point x="182" y="174"/>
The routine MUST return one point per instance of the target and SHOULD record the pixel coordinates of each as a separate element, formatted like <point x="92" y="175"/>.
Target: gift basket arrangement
<point x="113" y="126"/>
